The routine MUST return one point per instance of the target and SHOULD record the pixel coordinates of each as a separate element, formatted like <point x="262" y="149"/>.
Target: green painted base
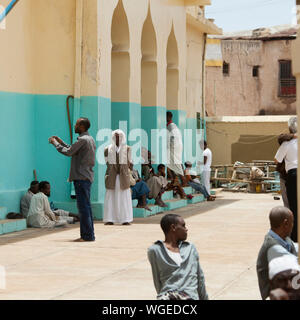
<point x="196" y="199"/>
<point x="188" y="190"/>
<point x="175" y="204"/>
<point x="9" y="226"/>
<point x="97" y="208"/>
<point x="168" y="195"/>
<point x="3" y="213"/>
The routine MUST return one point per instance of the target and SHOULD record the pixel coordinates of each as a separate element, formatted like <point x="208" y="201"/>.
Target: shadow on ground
<point x="185" y="212"/>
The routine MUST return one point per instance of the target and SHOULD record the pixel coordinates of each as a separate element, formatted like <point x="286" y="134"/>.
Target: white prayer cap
<point x="283" y="263"/>
<point x="193" y="173"/>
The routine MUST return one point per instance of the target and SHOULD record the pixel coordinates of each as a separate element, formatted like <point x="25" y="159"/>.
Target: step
<point x="168" y="195"/>
<point x="3" y="213"/>
<point x="143" y="213"/>
<point x="196" y="198"/>
<point x="188" y="190"/>
<point x="8" y="226"/>
<point x="175" y="204"/>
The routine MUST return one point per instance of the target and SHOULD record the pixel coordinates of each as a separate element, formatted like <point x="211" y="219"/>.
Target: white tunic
<point x="288" y="151"/>
<point x="40" y="214"/>
<point x="174" y="149"/>
<point x="118" y="202"/>
<point x="118" y="205"/>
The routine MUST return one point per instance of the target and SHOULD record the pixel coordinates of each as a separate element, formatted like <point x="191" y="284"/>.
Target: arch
<point x="120" y="58"/>
<point x="172" y="72"/>
<point x="149" y="64"/>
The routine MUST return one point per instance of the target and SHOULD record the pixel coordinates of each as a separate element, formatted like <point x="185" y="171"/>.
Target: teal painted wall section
<point x="51" y="119"/>
<point x="89" y="109"/>
<point x="98" y="110"/>
<point x="28" y="121"/>
<point x="18" y="159"/>
<point x="153" y="118"/>
<point x="179" y="118"/>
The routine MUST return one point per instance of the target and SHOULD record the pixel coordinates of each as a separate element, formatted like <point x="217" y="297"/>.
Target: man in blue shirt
<point x="176" y="270"/>
<point x="276" y="243"/>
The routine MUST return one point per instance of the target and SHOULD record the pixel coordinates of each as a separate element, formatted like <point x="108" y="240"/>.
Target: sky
<point x="238" y="15"/>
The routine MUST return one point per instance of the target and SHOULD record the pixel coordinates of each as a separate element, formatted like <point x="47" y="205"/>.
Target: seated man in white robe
<point x="40" y="214"/>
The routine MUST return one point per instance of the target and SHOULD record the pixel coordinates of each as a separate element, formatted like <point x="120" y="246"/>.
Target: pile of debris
<point x="257" y="176"/>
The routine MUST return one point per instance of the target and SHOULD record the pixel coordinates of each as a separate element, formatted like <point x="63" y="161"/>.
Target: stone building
<point x="255" y="75"/>
<point x="121" y="60"/>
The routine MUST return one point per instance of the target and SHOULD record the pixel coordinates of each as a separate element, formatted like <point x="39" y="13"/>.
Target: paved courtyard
<point x="228" y="233"/>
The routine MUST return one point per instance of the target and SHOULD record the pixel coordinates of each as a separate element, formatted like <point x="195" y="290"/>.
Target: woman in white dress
<point x="118" y="203"/>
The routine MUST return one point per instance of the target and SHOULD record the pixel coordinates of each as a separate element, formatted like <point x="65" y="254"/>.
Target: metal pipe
<point x="8" y="9"/>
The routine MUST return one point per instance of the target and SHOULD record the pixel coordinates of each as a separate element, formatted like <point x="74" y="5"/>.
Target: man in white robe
<point x="174" y="146"/>
<point x="118" y="202"/>
<point x="40" y="214"/>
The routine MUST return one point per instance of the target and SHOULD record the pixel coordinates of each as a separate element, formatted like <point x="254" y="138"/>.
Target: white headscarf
<point x="121" y="150"/>
<point x="283" y="263"/>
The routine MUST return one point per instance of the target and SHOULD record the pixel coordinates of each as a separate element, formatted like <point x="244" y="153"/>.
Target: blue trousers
<point x="83" y="193"/>
<point x="199" y="187"/>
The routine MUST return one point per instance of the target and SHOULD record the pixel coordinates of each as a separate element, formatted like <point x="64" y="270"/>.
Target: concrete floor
<point x="228" y="233"/>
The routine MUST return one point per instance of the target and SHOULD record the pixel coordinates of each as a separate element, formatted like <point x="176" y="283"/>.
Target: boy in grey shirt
<point x="176" y="270"/>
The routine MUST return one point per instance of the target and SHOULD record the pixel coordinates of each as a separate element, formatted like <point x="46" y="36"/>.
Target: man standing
<point x="26" y="199"/>
<point x="288" y="151"/>
<point x="277" y="242"/>
<point x="118" y="202"/>
<point x="174" y="148"/>
<point x="81" y="173"/>
<point x="176" y="270"/>
<point x="207" y="154"/>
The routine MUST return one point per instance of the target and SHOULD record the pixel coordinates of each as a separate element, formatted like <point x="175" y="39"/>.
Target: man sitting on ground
<point x="276" y="243"/>
<point x="26" y="199"/>
<point x="194" y="182"/>
<point x="40" y="214"/>
<point x="176" y="270"/>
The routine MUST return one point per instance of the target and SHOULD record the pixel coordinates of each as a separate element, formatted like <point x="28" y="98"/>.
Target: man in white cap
<point x="284" y="275"/>
<point x="276" y="243"/>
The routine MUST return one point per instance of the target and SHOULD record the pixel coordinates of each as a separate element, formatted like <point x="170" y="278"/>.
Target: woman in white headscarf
<point x="118" y="203"/>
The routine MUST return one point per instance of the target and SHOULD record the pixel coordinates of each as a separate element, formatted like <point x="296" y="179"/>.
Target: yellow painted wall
<point x="296" y="71"/>
<point x="163" y="18"/>
<point x="225" y="132"/>
<point x="195" y="46"/>
<point x="16" y="52"/>
<point x="37" y="51"/>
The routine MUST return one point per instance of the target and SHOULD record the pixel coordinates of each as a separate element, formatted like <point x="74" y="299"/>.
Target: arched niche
<point x="172" y="72"/>
<point x="149" y="64"/>
<point x="120" y="58"/>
